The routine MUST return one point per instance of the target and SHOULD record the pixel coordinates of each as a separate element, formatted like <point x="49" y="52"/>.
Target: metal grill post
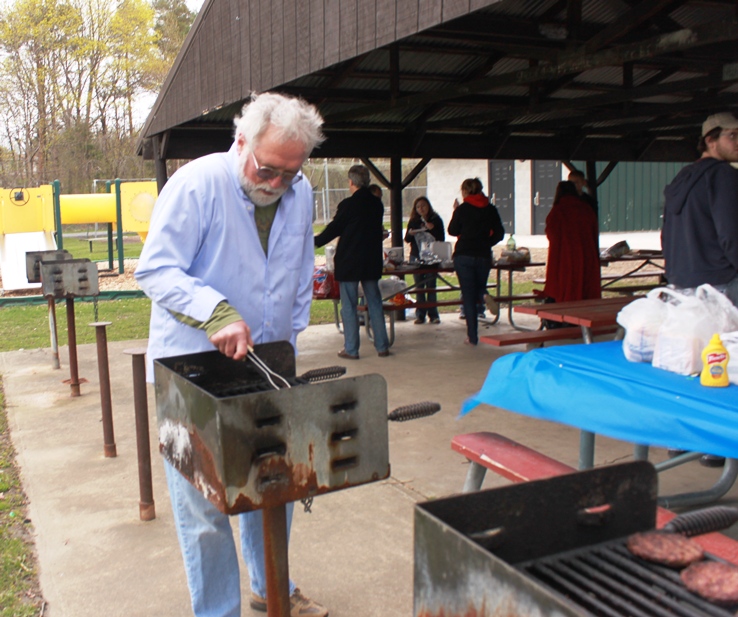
<point x="146" y="508"/>
<point x="72" y="340"/>
<point x="276" y="561"/>
<point x="106" y="404"/>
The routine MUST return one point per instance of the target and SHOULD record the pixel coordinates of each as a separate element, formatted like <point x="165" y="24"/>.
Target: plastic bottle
<point x="511" y="244"/>
<point x="715" y="364"/>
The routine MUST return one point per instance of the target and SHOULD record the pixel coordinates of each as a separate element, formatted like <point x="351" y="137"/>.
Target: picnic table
<point x="392" y="308"/>
<point x="587" y="314"/>
<point x="639" y="260"/>
<point x="594" y="388"/>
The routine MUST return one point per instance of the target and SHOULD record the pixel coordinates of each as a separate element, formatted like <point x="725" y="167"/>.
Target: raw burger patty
<point x="714" y="581"/>
<point x="670" y="549"/>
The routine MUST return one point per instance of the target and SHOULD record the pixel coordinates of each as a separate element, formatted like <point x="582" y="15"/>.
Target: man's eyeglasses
<point x="268" y="174"/>
<point x="732" y="135"/>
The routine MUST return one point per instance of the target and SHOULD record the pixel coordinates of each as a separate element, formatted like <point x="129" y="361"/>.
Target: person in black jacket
<point x="359" y="259"/>
<point x="478" y="227"/>
<point x="700" y="232"/>
<point x="424" y="218"/>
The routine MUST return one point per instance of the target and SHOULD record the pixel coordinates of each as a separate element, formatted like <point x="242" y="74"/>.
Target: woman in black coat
<point x="477" y="225"/>
<point x="424" y="218"/>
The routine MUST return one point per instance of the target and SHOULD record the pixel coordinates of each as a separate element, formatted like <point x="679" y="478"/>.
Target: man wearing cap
<point x="700" y="231"/>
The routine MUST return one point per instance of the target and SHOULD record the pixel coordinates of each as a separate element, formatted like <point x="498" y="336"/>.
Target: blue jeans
<point x="350" y="318"/>
<point x="426" y="281"/>
<point x="209" y="553"/>
<point x="473" y="273"/>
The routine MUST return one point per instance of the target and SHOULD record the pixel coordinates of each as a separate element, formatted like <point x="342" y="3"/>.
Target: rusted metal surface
<point x="106" y="403"/>
<point x="72" y="339"/>
<point x="146" y="506"/>
<point x="276" y="561"/>
<point x="469" y="549"/>
<point x="34" y="259"/>
<point x="55" y="364"/>
<point x="267" y="447"/>
<point x="71" y="278"/>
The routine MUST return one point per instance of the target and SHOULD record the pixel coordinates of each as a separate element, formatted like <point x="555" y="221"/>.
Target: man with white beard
<point x="228" y="262"/>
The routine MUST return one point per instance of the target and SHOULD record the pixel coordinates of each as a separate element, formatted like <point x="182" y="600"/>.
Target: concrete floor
<point x="354" y="552"/>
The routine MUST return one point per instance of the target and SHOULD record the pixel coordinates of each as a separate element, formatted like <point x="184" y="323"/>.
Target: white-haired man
<point x="228" y="262"/>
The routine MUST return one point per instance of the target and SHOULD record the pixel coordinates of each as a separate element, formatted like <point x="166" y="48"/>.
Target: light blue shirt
<point x="203" y="247"/>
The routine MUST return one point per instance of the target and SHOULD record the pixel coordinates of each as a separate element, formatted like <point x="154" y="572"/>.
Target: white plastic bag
<point x="391" y="285"/>
<point x="641" y="320"/>
<point x="730" y="340"/>
<point x="723" y="312"/>
<point x="684" y="332"/>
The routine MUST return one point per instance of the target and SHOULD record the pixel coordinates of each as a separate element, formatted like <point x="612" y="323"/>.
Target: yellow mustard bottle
<point x="715" y="364"/>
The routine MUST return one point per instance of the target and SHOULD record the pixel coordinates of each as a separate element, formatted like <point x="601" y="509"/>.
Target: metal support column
<point x="146" y="507"/>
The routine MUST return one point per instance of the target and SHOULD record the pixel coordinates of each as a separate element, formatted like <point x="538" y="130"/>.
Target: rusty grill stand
<point x="146" y="506"/>
<point x="276" y="561"/>
<point x="247" y="446"/>
<point x="106" y="405"/>
<point x="33" y="274"/>
<point x="69" y="279"/>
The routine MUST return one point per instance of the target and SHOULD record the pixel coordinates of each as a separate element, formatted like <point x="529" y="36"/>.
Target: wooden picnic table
<point x="587" y="314"/>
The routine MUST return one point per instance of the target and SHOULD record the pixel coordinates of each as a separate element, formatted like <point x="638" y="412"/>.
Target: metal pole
<point x="56" y="190"/>
<point x="55" y="364"/>
<point x="72" y="339"/>
<point x="105" y="399"/>
<point x="276" y="561"/>
<point x="146" y="508"/>
<point x="119" y="223"/>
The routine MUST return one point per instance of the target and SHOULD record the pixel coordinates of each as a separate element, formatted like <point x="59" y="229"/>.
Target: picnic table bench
<point x="597" y="317"/>
<point x="518" y="463"/>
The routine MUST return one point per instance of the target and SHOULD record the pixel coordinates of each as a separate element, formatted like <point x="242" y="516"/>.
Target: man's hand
<point x="234" y="340"/>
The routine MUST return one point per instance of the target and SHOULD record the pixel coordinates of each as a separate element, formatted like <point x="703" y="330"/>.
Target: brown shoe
<point x="300" y="606"/>
<point x="384" y="354"/>
<point x="347" y="356"/>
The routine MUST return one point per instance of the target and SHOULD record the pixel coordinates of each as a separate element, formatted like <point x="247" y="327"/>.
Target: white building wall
<point x="523" y="198"/>
<point x="444" y="182"/>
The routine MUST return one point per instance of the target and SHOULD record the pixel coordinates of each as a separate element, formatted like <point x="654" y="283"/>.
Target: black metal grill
<point x="608" y="581"/>
<point x="549" y="547"/>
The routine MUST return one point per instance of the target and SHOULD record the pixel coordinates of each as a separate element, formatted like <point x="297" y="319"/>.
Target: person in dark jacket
<point x="573" y="264"/>
<point x="424" y="218"/>
<point x="359" y="259"/>
<point x="477" y="225"/>
<point x="700" y="231"/>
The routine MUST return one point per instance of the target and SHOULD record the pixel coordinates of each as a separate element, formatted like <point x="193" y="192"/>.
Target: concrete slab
<point x="354" y="552"/>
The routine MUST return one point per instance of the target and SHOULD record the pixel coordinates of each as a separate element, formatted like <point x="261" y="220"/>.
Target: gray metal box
<point x="246" y="447"/>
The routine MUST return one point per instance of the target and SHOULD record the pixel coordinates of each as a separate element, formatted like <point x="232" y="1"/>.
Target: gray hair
<point x="293" y="119"/>
<point x="359" y="176"/>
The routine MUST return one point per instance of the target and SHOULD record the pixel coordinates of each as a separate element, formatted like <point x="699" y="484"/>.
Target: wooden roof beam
<point x="578" y="61"/>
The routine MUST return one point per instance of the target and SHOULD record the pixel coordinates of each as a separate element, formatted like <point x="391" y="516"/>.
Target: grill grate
<point x="608" y="581"/>
<point x="236" y="388"/>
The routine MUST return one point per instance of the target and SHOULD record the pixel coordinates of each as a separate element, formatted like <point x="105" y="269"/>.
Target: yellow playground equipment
<point x="32" y="218"/>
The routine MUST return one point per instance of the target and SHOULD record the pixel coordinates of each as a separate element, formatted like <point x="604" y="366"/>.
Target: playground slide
<point x="13" y="249"/>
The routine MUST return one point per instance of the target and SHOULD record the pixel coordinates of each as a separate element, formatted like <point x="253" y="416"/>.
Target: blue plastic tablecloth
<point x="593" y="387"/>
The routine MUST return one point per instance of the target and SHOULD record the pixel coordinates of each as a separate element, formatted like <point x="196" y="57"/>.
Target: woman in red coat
<point x="573" y="266"/>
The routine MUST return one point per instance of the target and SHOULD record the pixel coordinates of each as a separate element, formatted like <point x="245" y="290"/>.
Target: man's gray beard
<point x="251" y="188"/>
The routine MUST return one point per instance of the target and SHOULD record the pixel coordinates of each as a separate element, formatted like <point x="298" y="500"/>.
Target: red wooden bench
<point x="519" y="463"/>
<point x="537" y="338"/>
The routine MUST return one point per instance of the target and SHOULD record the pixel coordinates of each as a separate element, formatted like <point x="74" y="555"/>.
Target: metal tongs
<point x="264" y="368"/>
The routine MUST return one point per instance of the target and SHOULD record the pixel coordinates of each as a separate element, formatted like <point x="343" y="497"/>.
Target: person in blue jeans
<point x="424" y="218"/>
<point x="359" y="259"/>
<point x="228" y="263"/>
<point x="478" y="227"/>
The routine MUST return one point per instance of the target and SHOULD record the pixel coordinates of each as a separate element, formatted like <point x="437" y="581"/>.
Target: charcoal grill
<point x="548" y="547"/>
<point x="248" y="446"/>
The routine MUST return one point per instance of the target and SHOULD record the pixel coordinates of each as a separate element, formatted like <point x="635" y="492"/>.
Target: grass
<point x="80" y="248"/>
<point x="20" y="594"/>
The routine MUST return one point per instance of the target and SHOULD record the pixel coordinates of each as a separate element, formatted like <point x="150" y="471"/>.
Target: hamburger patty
<point x="670" y="549"/>
<point x="714" y="581"/>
